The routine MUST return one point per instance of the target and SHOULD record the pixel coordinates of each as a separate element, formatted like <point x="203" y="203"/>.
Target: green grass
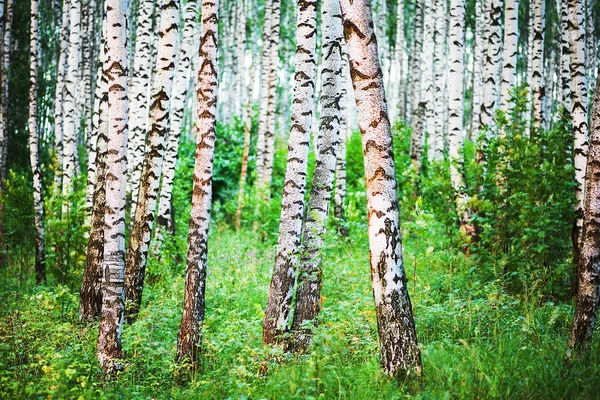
<point x="477" y="340"/>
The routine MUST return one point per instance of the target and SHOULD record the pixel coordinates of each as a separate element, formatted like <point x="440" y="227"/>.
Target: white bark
<point x="511" y="39"/>
<point x="60" y="93"/>
<point x="275" y="322"/>
<point x="264" y="91"/>
<point x="492" y="64"/>
<point x="537" y="83"/>
<point x="478" y="60"/>
<point x="109" y="338"/>
<point x="140" y="91"/>
<point x="439" y="58"/>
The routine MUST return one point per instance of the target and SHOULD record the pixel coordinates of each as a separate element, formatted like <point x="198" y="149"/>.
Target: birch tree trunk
<point x="61" y="77"/>
<point x="579" y="106"/>
<point x="587" y="296"/>
<point x="272" y="94"/>
<point x="140" y="91"/>
<point x="340" y="164"/>
<point x="143" y="221"/>
<point x="113" y="300"/>
<point x="416" y="136"/>
<point x="165" y="221"/>
<point x="427" y="74"/>
<point x="38" y="203"/>
<point x="537" y="84"/>
<point x="246" y="151"/>
<point x="6" y="43"/>
<point x="511" y="41"/>
<point x="399" y="351"/>
<point x="71" y="123"/>
<point x="491" y="70"/>
<point x="264" y="92"/>
<point x="90" y="295"/>
<point x="189" y="339"/>
<point x="439" y="59"/>
<point x="565" y="55"/>
<point x="308" y="291"/>
<point x="456" y="101"/>
<point x="478" y="60"/>
<point x="275" y="322"/>
<point x="399" y="63"/>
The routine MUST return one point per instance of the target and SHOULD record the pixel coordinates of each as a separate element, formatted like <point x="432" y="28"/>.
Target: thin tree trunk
<point x="427" y="75"/>
<point x="399" y="62"/>
<point x="579" y="106"/>
<point x="264" y="92"/>
<point x="340" y="165"/>
<point x="61" y="78"/>
<point x="492" y="65"/>
<point x="38" y="203"/>
<point x="440" y="103"/>
<point x="272" y="94"/>
<point x="246" y="151"/>
<point x="71" y="124"/>
<point x="415" y="92"/>
<point x="586" y="299"/>
<point x="143" y="221"/>
<point x="189" y="339"/>
<point x="399" y="350"/>
<point x="537" y="83"/>
<point x="275" y="322"/>
<point x="308" y="291"/>
<point x="165" y="220"/>
<point x="113" y="299"/>
<point x="4" y="72"/>
<point x="511" y="41"/>
<point x="140" y="91"/>
<point x="565" y="55"/>
<point x="478" y="60"/>
<point x="90" y="295"/>
<point x="456" y="104"/>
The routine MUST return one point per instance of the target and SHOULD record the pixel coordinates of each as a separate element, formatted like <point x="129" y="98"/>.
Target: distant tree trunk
<point x="439" y="57"/>
<point x="140" y="91"/>
<point x="456" y="103"/>
<point x="511" y="41"/>
<point x="71" y="124"/>
<point x="180" y="93"/>
<point x="90" y="100"/>
<point x="565" y="55"/>
<point x="113" y="300"/>
<point x="61" y="78"/>
<point x="427" y="74"/>
<point x="399" y="351"/>
<point x="579" y="106"/>
<point x="340" y="164"/>
<point x="478" y="60"/>
<point x="399" y="62"/>
<point x="143" y="221"/>
<point x="38" y="203"/>
<point x="189" y="339"/>
<point x="246" y="151"/>
<point x="415" y="91"/>
<point x="492" y="65"/>
<point x="308" y="291"/>
<point x="272" y="95"/>
<point x="5" y="68"/>
<point x="264" y="92"/>
<point x="275" y="322"/>
<point x="90" y="295"/>
<point x="586" y="299"/>
<point x="537" y="83"/>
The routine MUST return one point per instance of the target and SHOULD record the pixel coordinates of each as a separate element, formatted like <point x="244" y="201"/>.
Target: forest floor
<point x="476" y="340"/>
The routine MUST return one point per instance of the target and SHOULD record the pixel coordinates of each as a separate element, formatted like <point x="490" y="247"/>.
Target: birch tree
<point x="264" y="91"/>
<point x="165" y="220"/>
<point x="90" y="295"/>
<point x="399" y="63"/>
<point x="397" y="336"/>
<point x="478" y="60"/>
<point x="140" y="91"/>
<point x="189" y="339"/>
<point x="537" y="83"/>
<point x="511" y="41"/>
<point x="439" y="59"/>
<point x="416" y="136"/>
<point x="5" y="68"/>
<point x="456" y="101"/>
<point x="60" y="92"/>
<point x="308" y="291"/>
<point x="160" y="101"/>
<point x="492" y="65"/>
<point x="275" y="322"/>
<point x="565" y="55"/>
<point x="38" y="203"/>
<point x="588" y="271"/>
<point x="113" y="300"/>
<point x="71" y="123"/>
<point x="579" y="105"/>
